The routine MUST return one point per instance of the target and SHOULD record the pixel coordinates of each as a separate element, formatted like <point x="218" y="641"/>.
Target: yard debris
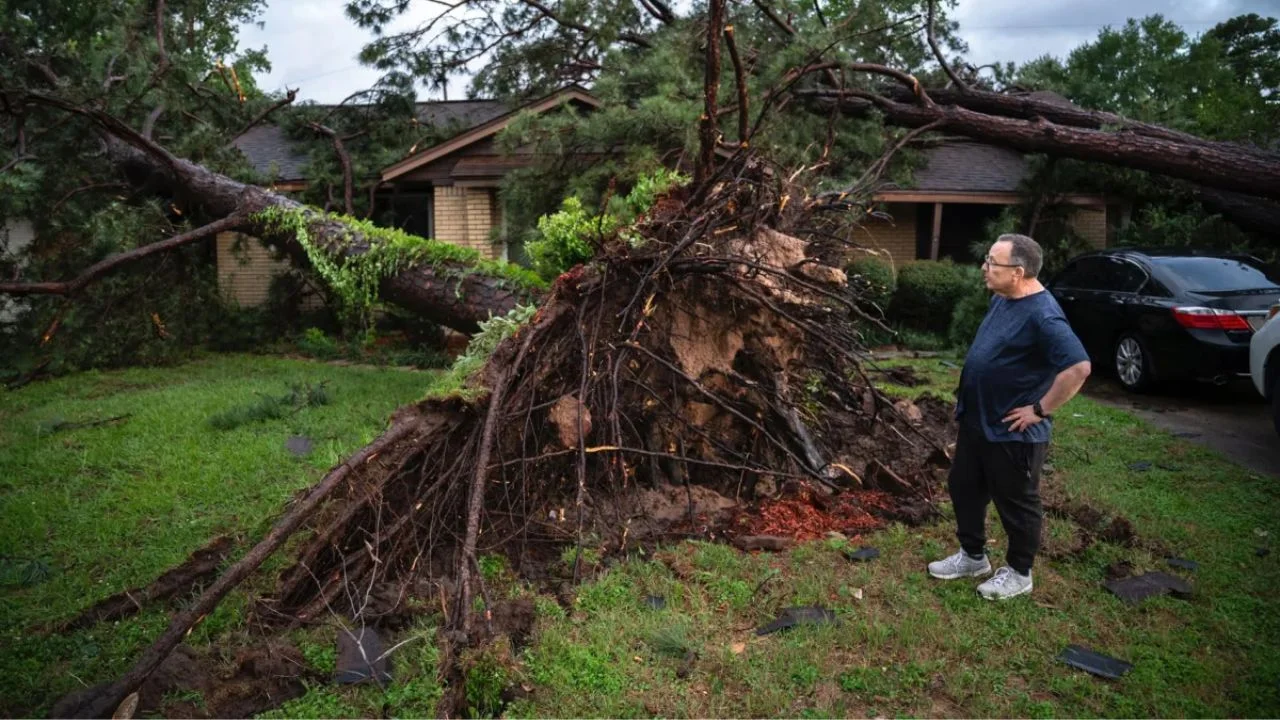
<point x="1135" y="589"/>
<point x="1140" y="466"/>
<point x="1262" y="551"/>
<point x="948" y="364"/>
<point x="862" y="554"/>
<point x="1093" y="663"/>
<point x="1186" y="435"/>
<point x="793" y="616"/>
<point x="1189" y="565"/>
<point x="299" y="445"/>
<point x="655" y="602"/>
<point x="360" y="657"/>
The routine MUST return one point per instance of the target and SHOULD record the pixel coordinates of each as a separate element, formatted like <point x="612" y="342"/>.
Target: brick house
<point x="447" y="191"/>
<point x="959" y="188"/>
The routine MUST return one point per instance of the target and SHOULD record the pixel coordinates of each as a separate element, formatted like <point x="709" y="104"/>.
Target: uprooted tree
<point x="710" y="343"/>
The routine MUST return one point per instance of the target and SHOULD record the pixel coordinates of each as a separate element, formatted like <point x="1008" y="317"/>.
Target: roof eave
<point x="488" y="129"/>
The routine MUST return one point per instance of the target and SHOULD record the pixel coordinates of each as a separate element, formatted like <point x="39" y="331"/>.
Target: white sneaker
<point x="1006" y="583"/>
<point x="959" y="565"/>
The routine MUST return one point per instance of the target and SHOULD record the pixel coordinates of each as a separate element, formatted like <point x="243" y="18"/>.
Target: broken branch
<point x="72" y="287"/>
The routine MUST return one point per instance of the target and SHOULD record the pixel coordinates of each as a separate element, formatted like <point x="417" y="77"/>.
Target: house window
<point x="407" y="207"/>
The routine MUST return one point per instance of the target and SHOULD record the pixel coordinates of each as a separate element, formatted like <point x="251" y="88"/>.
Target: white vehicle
<point x="1264" y="362"/>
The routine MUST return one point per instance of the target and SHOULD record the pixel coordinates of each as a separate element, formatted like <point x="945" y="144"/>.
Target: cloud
<point x="1022" y="30"/>
<point x="313" y="45"/>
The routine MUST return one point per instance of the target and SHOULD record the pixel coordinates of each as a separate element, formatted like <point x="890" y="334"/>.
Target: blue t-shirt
<point x="1020" y="348"/>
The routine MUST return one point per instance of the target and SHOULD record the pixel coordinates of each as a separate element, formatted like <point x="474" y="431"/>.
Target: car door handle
<point x="1069" y="298"/>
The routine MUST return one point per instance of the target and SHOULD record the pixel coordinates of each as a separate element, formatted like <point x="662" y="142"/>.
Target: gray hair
<point x="1025" y="253"/>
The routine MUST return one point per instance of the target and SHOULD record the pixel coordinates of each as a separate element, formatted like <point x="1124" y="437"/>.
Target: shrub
<point x="316" y="344"/>
<point x="927" y="293"/>
<point x="967" y="316"/>
<point x="872" y="282"/>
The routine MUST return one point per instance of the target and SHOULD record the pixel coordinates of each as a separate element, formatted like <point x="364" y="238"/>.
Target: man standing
<point x="1024" y="364"/>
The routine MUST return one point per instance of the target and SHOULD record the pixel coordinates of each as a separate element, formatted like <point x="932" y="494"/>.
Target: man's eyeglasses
<point x="992" y="263"/>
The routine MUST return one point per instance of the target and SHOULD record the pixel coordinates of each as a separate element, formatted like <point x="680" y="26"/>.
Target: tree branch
<point x="907" y="79"/>
<point x="289" y="97"/>
<point x="15" y="162"/>
<point x="98" y="269"/>
<point x="150" y="124"/>
<point x="109" y="124"/>
<point x="937" y="51"/>
<point x="740" y="78"/>
<point x="711" y="86"/>
<point x="163" y="65"/>
<point x="345" y="159"/>
<point x="574" y="25"/>
<point x="783" y="25"/>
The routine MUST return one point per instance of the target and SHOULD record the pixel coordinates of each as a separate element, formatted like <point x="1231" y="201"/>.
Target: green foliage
<point x="873" y="282"/>
<point x="567" y="238"/>
<point x="570" y="237"/>
<point x="486" y="679"/>
<point x="671" y="640"/>
<point x="928" y="291"/>
<point x="355" y="277"/>
<point x="106" y="56"/>
<point x="483" y="343"/>
<point x="316" y="344"/>
<point x="968" y="315"/>
<point x="1158" y="225"/>
<point x="272" y="407"/>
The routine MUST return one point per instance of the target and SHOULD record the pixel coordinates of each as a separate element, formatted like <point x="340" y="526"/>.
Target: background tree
<point x="173" y="70"/>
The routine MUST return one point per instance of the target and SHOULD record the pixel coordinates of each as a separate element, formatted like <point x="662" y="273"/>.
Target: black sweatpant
<point x="1007" y="473"/>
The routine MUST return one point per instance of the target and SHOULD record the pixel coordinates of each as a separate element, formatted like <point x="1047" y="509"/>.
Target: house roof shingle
<point x="971" y="167"/>
<point x="270" y="151"/>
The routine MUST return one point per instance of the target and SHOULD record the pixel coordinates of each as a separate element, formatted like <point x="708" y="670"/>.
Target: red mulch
<point x="804" y="515"/>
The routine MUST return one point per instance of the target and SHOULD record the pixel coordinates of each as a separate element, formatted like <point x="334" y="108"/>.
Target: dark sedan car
<point x="1164" y="315"/>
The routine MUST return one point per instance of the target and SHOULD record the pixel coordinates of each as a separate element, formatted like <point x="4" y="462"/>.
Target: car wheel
<point x="1132" y="363"/>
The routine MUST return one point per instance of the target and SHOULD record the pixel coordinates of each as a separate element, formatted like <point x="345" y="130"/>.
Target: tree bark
<point x="452" y="294"/>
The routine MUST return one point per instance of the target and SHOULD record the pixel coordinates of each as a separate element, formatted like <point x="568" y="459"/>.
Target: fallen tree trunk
<point x="1226" y="166"/>
<point x="455" y="293"/>
<point x="444" y="283"/>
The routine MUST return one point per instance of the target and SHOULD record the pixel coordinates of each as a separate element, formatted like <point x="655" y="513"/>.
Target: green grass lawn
<point x="905" y="645"/>
<point x="105" y="508"/>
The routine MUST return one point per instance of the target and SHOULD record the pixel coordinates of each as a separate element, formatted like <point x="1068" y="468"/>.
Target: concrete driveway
<point x="1232" y="419"/>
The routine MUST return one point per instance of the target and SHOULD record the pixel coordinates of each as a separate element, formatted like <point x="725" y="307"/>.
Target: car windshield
<point x="1209" y="274"/>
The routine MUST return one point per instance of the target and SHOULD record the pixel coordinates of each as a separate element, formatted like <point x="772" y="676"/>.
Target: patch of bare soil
<point x="189" y="684"/>
<point x="199" y="568"/>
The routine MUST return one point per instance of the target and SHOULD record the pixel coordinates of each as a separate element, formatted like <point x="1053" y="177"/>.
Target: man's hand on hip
<point x="1022" y="418"/>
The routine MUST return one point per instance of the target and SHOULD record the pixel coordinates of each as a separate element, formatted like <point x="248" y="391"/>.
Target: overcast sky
<point x="313" y="46"/>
